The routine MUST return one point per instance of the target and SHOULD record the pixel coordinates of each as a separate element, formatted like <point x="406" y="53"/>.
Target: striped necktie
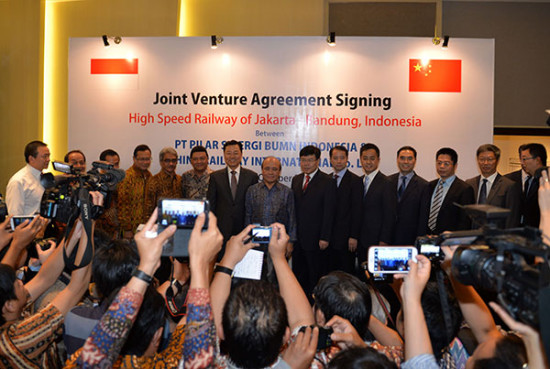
<point x="436" y="206"/>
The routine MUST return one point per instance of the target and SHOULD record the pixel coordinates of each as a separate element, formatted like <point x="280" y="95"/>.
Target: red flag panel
<point x="114" y="66"/>
<point x="436" y="76"/>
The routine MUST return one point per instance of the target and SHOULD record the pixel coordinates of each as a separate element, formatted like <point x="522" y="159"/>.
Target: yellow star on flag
<point x="417" y="67"/>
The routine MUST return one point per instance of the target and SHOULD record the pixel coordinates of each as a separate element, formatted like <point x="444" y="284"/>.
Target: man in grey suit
<point x="493" y="189"/>
<point x="227" y="190"/>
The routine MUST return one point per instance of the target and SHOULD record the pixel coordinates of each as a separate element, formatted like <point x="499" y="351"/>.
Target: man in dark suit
<point x="378" y="217"/>
<point x="444" y="192"/>
<point x="410" y="193"/>
<point x="314" y="196"/>
<point x="227" y="190"/>
<point x="493" y="189"/>
<point x="532" y="157"/>
<point x="347" y="218"/>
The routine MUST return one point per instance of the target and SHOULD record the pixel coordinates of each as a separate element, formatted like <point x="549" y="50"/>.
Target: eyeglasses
<point x="170" y="161"/>
<point x="486" y="160"/>
<point x="523" y="160"/>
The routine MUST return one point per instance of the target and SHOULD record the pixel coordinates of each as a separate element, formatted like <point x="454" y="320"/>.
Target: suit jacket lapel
<point x="410" y="187"/>
<point x="494" y="188"/>
<point x="226" y="183"/>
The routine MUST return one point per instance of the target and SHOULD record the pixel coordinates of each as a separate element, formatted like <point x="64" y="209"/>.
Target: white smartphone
<point x="18" y="219"/>
<point x="390" y="259"/>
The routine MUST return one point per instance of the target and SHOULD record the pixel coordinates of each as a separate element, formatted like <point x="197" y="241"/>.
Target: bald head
<point x="271" y="170"/>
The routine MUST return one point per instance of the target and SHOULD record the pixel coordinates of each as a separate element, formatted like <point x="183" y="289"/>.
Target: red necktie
<point x="305" y="184"/>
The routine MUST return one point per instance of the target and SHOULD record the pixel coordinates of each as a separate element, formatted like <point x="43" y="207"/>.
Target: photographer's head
<point x="113" y="265"/>
<point x="342" y="294"/>
<point x="13" y="295"/>
<point x="77" y="159"/>
<point x="499" y="352"/>
<point x="361" y="358"/>
<point x="255" y="324"/>
<point x="111" y="157"/>
<point x="37" y="155"/>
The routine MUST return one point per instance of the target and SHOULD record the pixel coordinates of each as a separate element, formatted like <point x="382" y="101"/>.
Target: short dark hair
<point x="489" y="148"/>
<point x="31" y="149"/>
<point x="66" y="158"/>
<point x="254" y="322"/>
<point x="198" y="149"/>
<point x="310" y="150"/>
<point x="448" y="151"/>
<point x="361" y="358"/>
<point x="339" y="147"/>
<point x="536" y="150"/>
<point x="407" y="148"/>
<point x="108" y="152"/>
<point x="340" y="293"/>
<point x="7" y="290"/>
<point x="141" y="147"/>
<point x="435" y="318"/>
<point x="231" y="143"/>
<point x="151" y="316"/>
<point x="510" y="353"/>
<point x="369" y="146"/>
<point x="112" y="266"/>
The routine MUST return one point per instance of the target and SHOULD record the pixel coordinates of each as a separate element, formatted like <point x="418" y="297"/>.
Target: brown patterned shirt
<point x="195" y="187"/>
<point x="161" y="185"/>
<point x="131" y="199"/>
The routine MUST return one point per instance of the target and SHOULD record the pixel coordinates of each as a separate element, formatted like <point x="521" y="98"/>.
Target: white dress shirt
<point x="24" y="192"/>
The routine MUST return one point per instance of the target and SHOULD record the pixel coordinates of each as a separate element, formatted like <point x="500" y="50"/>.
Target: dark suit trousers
<point x="343" y="260"/>
<point x="308" y="268"/>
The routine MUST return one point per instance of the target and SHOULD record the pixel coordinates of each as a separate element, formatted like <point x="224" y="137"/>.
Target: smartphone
<point x="18" y="219"/>
<point x="324" y="340"/>
<point x="181" y="212"/>
<point x="260" y="235"/>
<point x="390" y="259"/>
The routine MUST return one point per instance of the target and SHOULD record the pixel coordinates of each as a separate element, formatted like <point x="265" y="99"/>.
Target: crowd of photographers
<point x="90" y="297"/>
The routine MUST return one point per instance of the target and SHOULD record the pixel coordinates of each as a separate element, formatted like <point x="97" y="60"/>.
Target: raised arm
<point x="297" y="305"/>
<point x="235" y="251"/>
<point x="21" y="238"/>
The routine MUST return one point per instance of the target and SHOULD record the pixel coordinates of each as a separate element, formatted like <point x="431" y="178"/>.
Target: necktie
<point x="527" y="185"/>
<point x="436" y="206"/>
<point x="483" y="192"/>
<point x="233" y="184"/>
<point x="306" y="183"/>
<point x="365" y="185"/>
<point x="401" y="188"/>
<point x="336" y="179"/>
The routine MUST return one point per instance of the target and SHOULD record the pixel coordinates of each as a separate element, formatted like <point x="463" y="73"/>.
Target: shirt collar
<point x="35" y="172"/>
<point x="341" y="173"/>
<point x="449" y="181"/>
<point x="237" y="170"/>
<point x="491" y="178"/>
<point x="408" y="175"/>
<point x="373" y="174"/>
<point x="311" y="175"/>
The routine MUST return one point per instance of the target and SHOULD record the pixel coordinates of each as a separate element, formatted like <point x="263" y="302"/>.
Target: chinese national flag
<point x="114" y="66"/>
<point x="436" y="76"/>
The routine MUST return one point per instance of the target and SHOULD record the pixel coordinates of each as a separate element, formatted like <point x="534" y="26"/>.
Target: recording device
<point x="501" y="261"/>
<point x="260" y="235"/>
<point x="427" y="247"/>
<point x="3" y="209"/>
<point x="61" y="198"/>
<point x="44" y="243"/>
<point x="183" y="213"/>
<point x="324" y="340"/>
<point x="18" y="219"/>
<point x="390" y="259"/>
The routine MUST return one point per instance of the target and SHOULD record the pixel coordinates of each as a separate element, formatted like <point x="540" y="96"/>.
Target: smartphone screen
<point x="390" y="259"/>
<point x="429" y="249"/>
<point x="183" y="213"/>
<point x="17" y="220"/>
<point x="261" y="235"/>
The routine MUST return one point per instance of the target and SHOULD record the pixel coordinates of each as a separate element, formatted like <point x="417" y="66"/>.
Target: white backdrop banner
<point x="279" y="94"/>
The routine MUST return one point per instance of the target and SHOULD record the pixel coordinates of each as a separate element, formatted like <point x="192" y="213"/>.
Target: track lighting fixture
<point x="215" y="41"/>
<point x="445" y="42"/>
<point x="116" y="39"/>
<point x="331" y="39"/>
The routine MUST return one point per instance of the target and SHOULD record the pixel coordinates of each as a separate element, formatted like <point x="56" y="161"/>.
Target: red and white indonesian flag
<point x="114" y="74"/>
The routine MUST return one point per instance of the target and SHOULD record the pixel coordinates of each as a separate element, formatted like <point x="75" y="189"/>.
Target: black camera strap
<point x="86" y="217"/>
<point x="445" y="307"/>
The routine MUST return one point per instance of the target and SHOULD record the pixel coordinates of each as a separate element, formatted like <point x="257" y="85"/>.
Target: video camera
<point x="503" y="261"/>
<point x="3" y="209"/>
<point x="65" y="194"/>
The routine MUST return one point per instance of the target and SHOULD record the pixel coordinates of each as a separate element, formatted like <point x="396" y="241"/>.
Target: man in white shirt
<point x="24" y="191"/>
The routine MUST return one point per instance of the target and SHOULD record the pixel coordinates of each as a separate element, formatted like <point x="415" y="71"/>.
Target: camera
<point x="61" y="198"/>
<point x="324" y="340"/>
<point x="428" y="247"/>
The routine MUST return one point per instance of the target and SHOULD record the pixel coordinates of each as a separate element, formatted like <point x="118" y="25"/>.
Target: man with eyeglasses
<point x="166" y="183"/>
<point x="493" y="189"/>
<point x="445" y="191"/>
<point x="131" y="192"/>
<point x="532" y="157"/>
